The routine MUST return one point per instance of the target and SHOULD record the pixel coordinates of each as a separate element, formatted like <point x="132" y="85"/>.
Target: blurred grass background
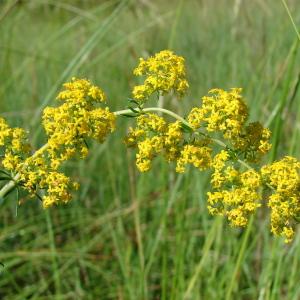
<point x="145" y="236"/>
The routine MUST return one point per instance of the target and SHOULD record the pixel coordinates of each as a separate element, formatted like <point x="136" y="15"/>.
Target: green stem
<point x="149" y="109"/>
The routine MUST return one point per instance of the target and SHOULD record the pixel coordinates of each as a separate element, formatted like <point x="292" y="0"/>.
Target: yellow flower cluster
<point x="227" y="112"/>
<point x="283" y="177"/>
<point x="16" y="147"/>
<point x="37" y="177"/>
<point x="237" y="194"/>
<point x="221" y="111"/>
<point x="164" y="72"/>
<point x="153" y="136"/>
<point x="67" y="126"/>
<point x="195" y="154"/>
<point x="5" y="132"/>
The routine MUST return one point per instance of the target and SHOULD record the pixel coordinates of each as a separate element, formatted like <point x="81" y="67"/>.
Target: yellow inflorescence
<point x="164" y="72"/>
<point x="283" y="177"/>
<point x="77" y="119"/>
<point x="238" y="189"/>
<point x="67" y="126"/>
<point x="226" y="112"/>
<point x="219" y="176"/>
<point x="221" y="111"/>
<point x="153" y="136"/>
<point x="15" y="144"/>
<point x="197" y="155"/>
<point x="236" y="194"/>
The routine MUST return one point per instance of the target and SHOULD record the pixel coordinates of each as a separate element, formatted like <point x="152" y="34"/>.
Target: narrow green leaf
<point x="128" y="116"/>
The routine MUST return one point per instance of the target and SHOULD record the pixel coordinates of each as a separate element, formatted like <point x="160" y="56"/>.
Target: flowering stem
<point x="12" y="183"/>
<point x="183" y="121"/>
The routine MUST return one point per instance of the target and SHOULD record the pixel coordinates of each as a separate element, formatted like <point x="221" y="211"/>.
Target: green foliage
<point x="145" y="236"/>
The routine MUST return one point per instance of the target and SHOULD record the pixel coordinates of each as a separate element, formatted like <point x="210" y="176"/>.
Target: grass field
<point x="138" y="236"/>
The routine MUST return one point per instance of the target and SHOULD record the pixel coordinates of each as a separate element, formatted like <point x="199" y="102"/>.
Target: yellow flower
<point x="226" y="112"/>
<point x="77" y="90"/>
<point x="219" y="161"/>
<point x="237" y="195"/>
<point x="11" y="161"/>
<point x="221" y="111"/>
<point x="147" y="150"/>
<point x="151" y="122"/>
<point x="173" y="140"/>
<point x="164" y="72"/>
<point x="283" y="177"/>
<point x="68" y="125"/>
<point x="5" y="132"/>
<point x="196" y="117"/>
<point x="198" y="156"/>
<point x="250" y="179"/>
<point x="82" y="115"/>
